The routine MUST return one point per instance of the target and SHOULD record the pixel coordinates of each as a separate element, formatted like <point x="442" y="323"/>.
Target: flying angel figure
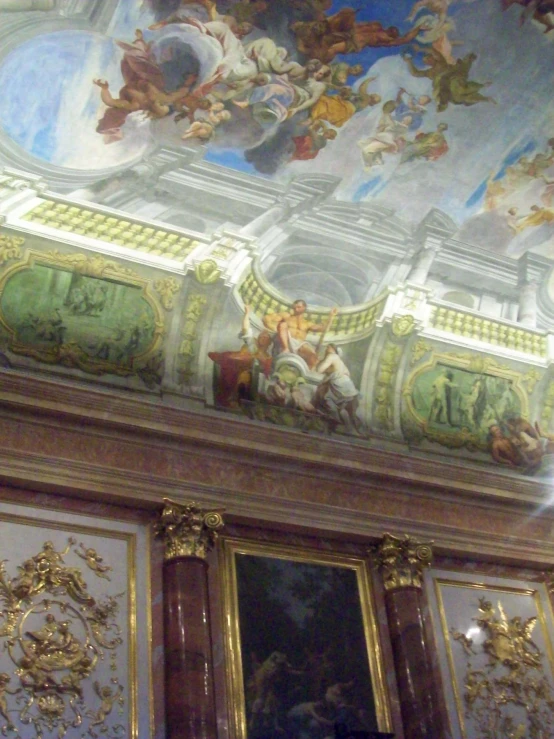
<point x="440" y="7"/>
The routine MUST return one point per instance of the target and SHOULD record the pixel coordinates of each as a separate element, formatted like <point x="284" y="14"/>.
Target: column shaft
<point x="423" y="265"/>
<point x="528" y="304"/>
<point x="419" y="703"/>
<point x="189" y="688"/>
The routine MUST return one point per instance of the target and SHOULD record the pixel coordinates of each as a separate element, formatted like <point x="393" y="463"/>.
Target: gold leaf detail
<point x="167" y="288"/>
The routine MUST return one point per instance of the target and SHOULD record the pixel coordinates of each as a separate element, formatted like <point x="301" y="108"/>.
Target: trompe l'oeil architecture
<point x="291" y="261"/>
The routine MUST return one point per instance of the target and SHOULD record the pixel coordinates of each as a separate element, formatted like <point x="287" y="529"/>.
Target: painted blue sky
<point x="50" y="107"/>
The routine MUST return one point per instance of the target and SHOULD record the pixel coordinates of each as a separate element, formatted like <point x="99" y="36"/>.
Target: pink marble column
<point x="401" y="562"/>
<point x="189" y="533"/>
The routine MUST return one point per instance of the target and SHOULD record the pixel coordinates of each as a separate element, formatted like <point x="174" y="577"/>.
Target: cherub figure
<point x="108" y="696"/>
<point x="204" y="129"/>
<point x="52" y="573"/>
<point x="4" y="682"/>
<point x="94" y="561"/>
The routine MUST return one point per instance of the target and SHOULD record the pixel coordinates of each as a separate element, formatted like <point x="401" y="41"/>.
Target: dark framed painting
<point x="302" y="643"/>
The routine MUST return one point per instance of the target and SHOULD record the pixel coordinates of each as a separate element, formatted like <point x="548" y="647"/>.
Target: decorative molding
<point x="402" y="561"/>
<point x="189" y="334"/>
<point x="141" y="490"/>
<point x="46" y="402"/>
<point x="166" y="289"/>
<point x="55" y="662"/>
<point x="384" y="394"/>
<point x="187" y="529"/>
<point x="207" y="272"/>
<point x="10" y="247"/>
<point x="403" y="325"/>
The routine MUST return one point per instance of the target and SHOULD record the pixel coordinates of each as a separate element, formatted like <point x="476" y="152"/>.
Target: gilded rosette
<point x="402" y="561"/>
<point x="187" y="529"/>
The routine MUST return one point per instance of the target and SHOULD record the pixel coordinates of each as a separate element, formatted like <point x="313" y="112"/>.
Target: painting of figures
<point x="443" y="102"/>
<point x="305" y="668"/>
<point x="50" y="312"/>
<point x="281" y="376"/>
<point x="450" y="398"/>
<point x="351" y="184"/>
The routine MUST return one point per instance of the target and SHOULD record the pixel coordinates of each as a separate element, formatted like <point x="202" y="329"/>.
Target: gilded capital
<point x="402" y="560"/>
<point x="187" y="529"/>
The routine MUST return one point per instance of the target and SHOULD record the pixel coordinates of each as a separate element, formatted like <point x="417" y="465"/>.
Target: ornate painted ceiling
<point x="335" y="217"/>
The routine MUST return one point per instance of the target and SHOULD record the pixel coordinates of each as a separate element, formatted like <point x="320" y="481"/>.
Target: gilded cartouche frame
<point x="484" y="587"/>
<point x="229" y="549"/>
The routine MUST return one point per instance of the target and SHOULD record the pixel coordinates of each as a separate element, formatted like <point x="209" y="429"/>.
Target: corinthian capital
<point x="402" y="561"/>
<point x="187" y="529"/>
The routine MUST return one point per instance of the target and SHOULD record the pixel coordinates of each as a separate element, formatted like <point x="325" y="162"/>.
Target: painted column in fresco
<point x="423" y="264"/>
<point x="19" y="5"/>
<point x="527" y="313"/>
<point x="401" y="562"/>
<point x="189" y="533"/>
<point x="266" y="220"/>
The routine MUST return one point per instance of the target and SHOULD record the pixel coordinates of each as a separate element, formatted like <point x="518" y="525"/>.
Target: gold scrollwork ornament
<point x="402" y="561"/>
<point x="10" y="247"/>
<point x="509" y="696"/>
<point x="207" y="272"/>
<point x="187" y="529"/>
<point x="55" y="643"/>
<point x="166" y="289"/>
<point x="403" y="325"/>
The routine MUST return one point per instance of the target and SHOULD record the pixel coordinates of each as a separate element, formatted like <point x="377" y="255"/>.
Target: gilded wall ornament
<point x="510" y="697"/>
<point x="530" y="379"/>
<point x="187" y="348"/>
<point x="384" y="397"/>
<point x="90" y="266"/>
<point x="56" y="635"/>
<point x="166" y="289"/>
<point x="420" y="349"/>
<point x="187" y="529"/>
<point x="403" y="325"/>
<point x="402" y="561"/>
<point x="207" y="272"/>
<point x="10" y="247"/>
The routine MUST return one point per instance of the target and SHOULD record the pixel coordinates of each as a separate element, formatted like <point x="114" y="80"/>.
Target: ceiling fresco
<point x="330" y="216"/>
<point x="445" y="103"/>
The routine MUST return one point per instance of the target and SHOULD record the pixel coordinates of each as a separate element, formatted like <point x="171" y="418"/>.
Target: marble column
<point x="527" y="314"/>
<point x="401" y="562"/>
<point x="189" y="533"/>
<point x="424" y="262"/>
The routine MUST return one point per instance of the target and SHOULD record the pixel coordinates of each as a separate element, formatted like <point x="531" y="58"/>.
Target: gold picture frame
<point x="302" y="575"/>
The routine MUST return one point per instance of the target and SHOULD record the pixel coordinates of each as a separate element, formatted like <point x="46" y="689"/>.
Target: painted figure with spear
<point x="291" y="332"/>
